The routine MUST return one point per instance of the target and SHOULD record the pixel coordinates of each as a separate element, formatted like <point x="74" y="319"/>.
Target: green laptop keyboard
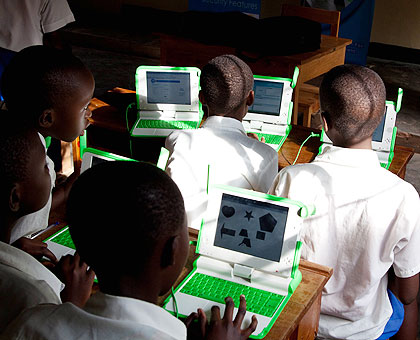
<point x="270" y="139"/>
<point x="64" y="239"/>
<point x="166" y="124"/>
<point x="215" y="289"/>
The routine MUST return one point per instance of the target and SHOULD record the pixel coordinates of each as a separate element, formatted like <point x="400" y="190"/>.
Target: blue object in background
<point x="245" y="6"/>
<point x="5" y="57"/>
<point x="356" y="24"/>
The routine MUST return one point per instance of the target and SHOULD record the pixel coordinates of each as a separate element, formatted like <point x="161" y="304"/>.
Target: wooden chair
<point x="309" y="94"/>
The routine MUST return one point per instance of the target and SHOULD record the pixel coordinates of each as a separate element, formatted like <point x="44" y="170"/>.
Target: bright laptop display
<point x="270" y="114"/>
<point x="383" y="138"/>
<point x="248" y="244"/>
<point x="167" y="100"/>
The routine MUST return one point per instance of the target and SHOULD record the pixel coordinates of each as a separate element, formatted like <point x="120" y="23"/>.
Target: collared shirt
<point x="219" y="152"/>
<point x="24" y="22"/>
<point x="37" y="220"/>
<point x="104" y="317"/>
<point x="367" y="220"/>
<point x="24" y="283"/>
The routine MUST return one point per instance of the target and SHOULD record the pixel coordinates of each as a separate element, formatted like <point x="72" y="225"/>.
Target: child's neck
<point x="365" y="144"/>
<point x="7" y="223"/>
<point x="140" y="289"/>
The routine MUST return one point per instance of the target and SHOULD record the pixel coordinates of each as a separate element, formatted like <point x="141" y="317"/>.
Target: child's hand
<point x="36" y="248"/>
<point x="254" y="136"/>
<point x="225" y="328"/>
<point x="77" y="278"/>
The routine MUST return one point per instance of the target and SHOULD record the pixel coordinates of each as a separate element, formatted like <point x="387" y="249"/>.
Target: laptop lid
<point x="161" y="88"/>
<point x="251" y="229"/>
<point x="92" y="157"/>
<point x="272" y="100"/>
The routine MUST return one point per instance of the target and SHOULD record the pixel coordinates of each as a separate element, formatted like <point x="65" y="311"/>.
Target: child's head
<point x="127" y="220"/>
<point x="50" y="89"/>
<point x="352" y="101"/>
<point x="25" y="182"/>
<point x="226" y="86"/>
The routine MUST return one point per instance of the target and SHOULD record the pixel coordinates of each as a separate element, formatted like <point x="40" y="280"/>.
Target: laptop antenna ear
<point x="307" y="211"/>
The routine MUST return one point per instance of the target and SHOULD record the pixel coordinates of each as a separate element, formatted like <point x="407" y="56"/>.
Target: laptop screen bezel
<point x="206" y="246"/>
<point x="141" y="89"/>
<point x="283" y="118"/>
<point x="89" y="153"/>
<point x="390" y="118"/>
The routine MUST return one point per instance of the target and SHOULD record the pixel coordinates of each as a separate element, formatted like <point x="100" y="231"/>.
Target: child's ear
<point x="326" y="121"/>
<point x="201" y="98"/>
<point x="250" y="99"/>
<point x="14" y="198"/>
<point x="170" y="249"/>
<point x="46" y="118"/>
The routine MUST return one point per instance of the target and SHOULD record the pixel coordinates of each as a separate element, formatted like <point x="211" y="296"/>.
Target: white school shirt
<point x="104" y="317"/>
<point x="24" y="283"/>
<point x="234" y="159"/>
<point x="24" y="22"/>
<point x="367" y="220"/>
<point x="37" y="220"/>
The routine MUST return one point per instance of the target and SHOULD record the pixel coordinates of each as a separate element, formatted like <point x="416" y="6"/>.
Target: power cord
<point x="129" y="106"/>
<point x="175" y="303"/>
<point x="301" y="146"/>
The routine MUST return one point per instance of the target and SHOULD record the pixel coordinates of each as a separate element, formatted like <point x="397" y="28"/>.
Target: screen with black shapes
<point x="252" y="227"/>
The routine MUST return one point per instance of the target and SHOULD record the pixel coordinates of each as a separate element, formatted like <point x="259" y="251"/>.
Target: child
<point x="220" y="150"/>
<point x="51" y="90"/>
<point x="25" y="188"/>
<point x="367" y="220"/>
<point x="135" y="237"/>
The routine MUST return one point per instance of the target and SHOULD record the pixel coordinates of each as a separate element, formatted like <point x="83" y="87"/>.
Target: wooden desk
<point x="177" y="51"/>
<point x="289" y="150"/>
<point x="111" y="120"/>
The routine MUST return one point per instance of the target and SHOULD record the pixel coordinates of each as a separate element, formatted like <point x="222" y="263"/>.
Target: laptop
<point x="270" y="114"/>
<point x="167" y="100"/>
<point x="383" y="138"/>
<point x="61" y="243"/>
<point x="92" y="157"/>
<point x="248" y="244"/>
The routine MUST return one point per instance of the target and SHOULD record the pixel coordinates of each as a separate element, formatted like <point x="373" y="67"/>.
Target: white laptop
<point x="248" y="244"/>
<point x="92" y="157"/>
<point x="61" y="243"/>
<point x="271" y="112"/>
<point x="383" y="138"/>
<point x="167" y="100"/>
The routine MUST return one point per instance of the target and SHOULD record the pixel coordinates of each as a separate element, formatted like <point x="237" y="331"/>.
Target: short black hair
<point x="15" y="144"/>
<point x="225" y="83"/>
<point x="118" y="211"/>
<point x="353" y="98"/>
<point x="39" y="78"/>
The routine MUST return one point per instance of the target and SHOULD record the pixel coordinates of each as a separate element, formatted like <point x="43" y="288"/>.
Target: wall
<point x="269" y="8"/>
<point x="397" y="23"/>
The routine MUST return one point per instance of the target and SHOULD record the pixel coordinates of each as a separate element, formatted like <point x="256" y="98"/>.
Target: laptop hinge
<point x="242" y="271"/>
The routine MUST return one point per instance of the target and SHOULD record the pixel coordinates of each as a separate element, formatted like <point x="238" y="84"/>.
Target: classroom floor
<point x="113" y="56"/>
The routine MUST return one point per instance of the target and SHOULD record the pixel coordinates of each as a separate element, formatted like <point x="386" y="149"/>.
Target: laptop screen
<point x="268" y="96"/>
<point x="168" y="88"/>
<point x="379" y="132"/>
<point x="251" y="227"/>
